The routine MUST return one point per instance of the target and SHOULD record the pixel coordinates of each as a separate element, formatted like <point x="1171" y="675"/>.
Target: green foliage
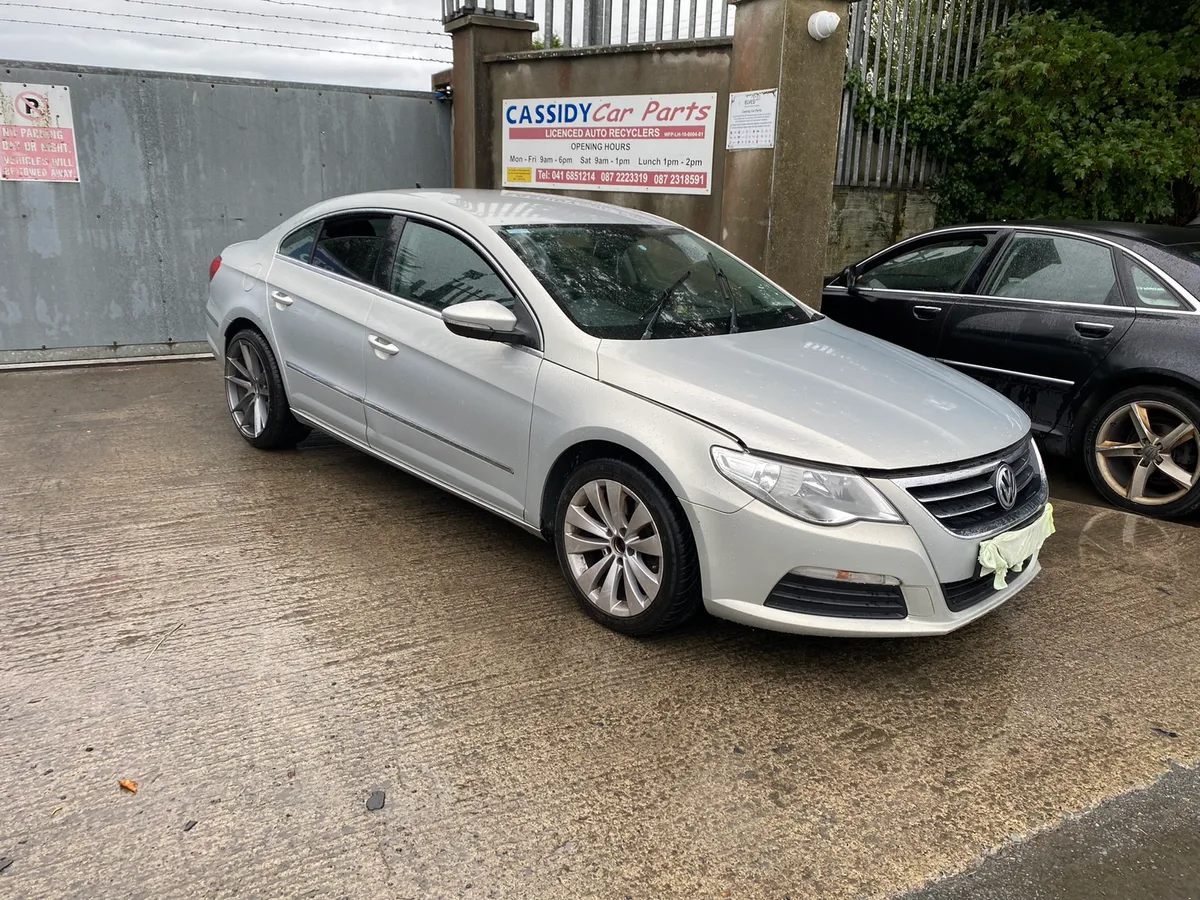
<point x="1127" y="16"/>
<point x="540" y="44"/>
<point x="1064" y="120"/>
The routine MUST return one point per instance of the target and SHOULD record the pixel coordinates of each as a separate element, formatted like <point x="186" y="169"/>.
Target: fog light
<point x="844" y="575"/>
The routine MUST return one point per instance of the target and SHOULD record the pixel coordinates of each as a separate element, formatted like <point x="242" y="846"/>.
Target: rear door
<point x="318" y="304"/>
<point x="1049" y="311"/>
<point x="905" y="294"/>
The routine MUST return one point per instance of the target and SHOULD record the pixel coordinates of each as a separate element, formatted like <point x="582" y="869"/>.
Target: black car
<point x="1093" y="328"/>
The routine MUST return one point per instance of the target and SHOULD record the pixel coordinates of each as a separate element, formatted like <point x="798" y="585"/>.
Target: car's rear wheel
<point x="1142" y="451"/>
<point x="626" y="549"/>
<point x="255" y="394"/>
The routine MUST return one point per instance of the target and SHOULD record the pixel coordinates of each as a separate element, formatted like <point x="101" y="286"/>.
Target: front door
<point x="1048" y="314"/>
<point x="455" y="408"/>
<point x="318" y="308"/>
<point x="905" y="296"/>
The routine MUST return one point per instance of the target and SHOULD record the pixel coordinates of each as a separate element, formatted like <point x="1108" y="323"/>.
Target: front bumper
<point x="745" y="554"/>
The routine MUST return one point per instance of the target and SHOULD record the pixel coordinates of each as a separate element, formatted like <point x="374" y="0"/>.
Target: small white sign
<point x="655" y="143"/>
<point x="751" y="120"/>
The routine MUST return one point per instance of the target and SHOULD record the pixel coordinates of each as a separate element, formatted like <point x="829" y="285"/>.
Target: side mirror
<point x="484" y="320"/>
<point x="850" y="276"/>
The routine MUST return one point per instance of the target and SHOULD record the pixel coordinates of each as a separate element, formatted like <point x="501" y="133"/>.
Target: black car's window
<point x="299" y="244"/>
<point x="610" y="278"/>
<point x="939" y="267"/>
<point x="1055" y="268"/>
<point x="437" y="270"/>
<point x="1150" y="291"/>
<point x="350" y="245"/>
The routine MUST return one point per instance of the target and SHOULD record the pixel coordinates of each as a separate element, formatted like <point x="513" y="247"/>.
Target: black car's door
<point x="1050" y="309"/>
<point x="904" y="294"/>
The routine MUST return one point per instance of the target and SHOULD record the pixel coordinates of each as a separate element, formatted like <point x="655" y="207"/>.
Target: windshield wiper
<point x="723" y="281"/>
<point x="661" y="302"/>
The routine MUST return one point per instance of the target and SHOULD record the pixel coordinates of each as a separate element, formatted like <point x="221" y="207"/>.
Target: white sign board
<point x="37" y="133"/>
<point x="660" y="143"/>
<point x="751" y="120"/>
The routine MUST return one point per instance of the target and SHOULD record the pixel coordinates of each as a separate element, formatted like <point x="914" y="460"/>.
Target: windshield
<point x="628" y="282"/>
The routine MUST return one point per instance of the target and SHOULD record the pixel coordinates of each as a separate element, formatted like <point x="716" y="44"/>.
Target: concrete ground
<point x="260" y="640"/>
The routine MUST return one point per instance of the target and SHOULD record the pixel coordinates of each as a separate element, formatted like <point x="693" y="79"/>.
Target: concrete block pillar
<point x="474" y="128"/>
<point x="776" y="202"/>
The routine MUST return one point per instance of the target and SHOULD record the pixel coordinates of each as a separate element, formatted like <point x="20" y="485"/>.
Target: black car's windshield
<point x="615" y="280"/>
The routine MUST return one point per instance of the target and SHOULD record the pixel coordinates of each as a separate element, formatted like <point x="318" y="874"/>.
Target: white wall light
<point x="823" y="24"/>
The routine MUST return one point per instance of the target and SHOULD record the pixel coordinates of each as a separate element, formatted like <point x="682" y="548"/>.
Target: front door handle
<point x="1093" y="329"/>
<point x="925" y="313"/>
<point x="382" y="345"/>
<point x="281" y="299"/>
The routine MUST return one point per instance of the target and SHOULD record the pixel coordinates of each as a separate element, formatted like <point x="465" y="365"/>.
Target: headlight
<point x="814" y="495"/>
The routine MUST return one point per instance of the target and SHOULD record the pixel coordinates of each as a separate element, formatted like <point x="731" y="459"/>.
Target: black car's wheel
<point x="255" y="394"/>
<point x="626" y="549"/>
<point x="1142" y="451"/>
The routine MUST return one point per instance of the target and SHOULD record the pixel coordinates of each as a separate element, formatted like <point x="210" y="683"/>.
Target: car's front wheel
<point x="1142" y="451"/>
<point x="626" y="549"/>
<point x="255" y="394"/>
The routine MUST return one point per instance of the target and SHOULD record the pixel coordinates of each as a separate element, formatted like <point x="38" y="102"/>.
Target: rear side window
<point x="1150" y="291"/>
<point x="299" y="244"/>
<point x="939" y="267"/>
<point x="1058" y="269"/>
<point x="350" y="245"/>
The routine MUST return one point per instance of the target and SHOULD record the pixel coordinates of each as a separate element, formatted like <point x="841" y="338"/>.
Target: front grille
<point x="845" y="599"/>
<point x="962" y="595"/>
<point x="963" y="497"/>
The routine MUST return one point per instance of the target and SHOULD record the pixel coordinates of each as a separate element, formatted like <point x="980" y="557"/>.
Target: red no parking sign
<point x="37" y="133"/>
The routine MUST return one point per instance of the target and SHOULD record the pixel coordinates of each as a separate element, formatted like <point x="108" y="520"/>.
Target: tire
<point x="637" y="592"/>
<point x="1152" y="468"/>
<point x="255" y="395"/>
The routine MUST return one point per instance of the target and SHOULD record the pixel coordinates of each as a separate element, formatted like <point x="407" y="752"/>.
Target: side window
<point x="437" y="270"/>
<point x="299" y="244"/>
<point x="940" y="267"/>
<point x="1150" y="291"/>
<point x="350" y="245"/>
<point x="1056" y="268"/>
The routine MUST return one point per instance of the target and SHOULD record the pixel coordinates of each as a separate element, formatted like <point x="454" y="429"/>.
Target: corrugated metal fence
<point x="899" y="48"/>
<point x="588" y="23"/>
<point x="173" y="168"/>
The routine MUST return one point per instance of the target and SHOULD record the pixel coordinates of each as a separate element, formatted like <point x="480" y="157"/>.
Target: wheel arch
<point x="583" y="451"/>
<point x="1096" y="395"/>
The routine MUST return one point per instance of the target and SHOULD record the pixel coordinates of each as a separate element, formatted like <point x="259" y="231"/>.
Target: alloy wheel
<point x="247" y="388"/>
<point x="613" y="548"/>
<point x="1149" y="452"/>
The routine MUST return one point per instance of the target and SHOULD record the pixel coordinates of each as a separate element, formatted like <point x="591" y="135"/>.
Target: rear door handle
<point x="925" y="313"/>
<point x="382" y="345"/>
<point x="281" y="299"/>
<point x="1093" y="329"/>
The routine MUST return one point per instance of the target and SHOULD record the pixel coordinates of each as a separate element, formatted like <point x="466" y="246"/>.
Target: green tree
<point x="1067" y="119"/>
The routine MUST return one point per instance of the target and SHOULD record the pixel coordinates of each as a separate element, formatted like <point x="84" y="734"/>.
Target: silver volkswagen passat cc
<point x="680" y="427"/>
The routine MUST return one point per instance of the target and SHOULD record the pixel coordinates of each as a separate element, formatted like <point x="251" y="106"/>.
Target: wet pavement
<point x="261" y="641"/>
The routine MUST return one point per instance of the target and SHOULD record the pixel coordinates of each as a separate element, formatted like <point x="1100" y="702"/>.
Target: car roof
<point x="1163" y="235"/>
<point x="496" y="208"/>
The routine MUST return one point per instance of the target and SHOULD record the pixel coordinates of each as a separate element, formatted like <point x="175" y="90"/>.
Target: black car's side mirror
<point x="850" y="278"/>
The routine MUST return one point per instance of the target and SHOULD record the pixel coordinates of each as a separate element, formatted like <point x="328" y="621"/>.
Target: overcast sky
<point x="374" y="43"/>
